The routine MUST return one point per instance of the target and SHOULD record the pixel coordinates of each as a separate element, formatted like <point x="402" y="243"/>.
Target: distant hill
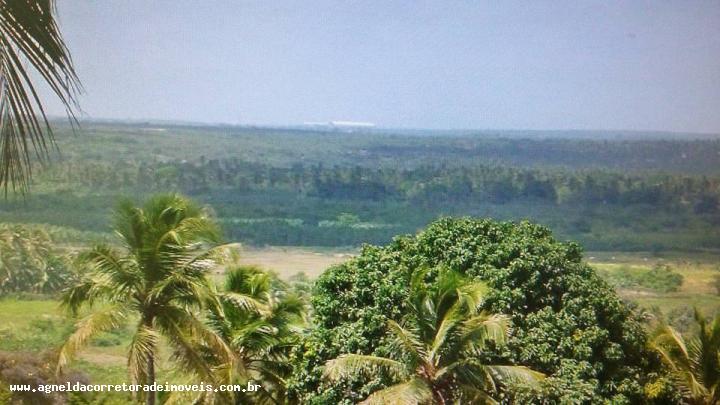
<point x="370" y="147"/>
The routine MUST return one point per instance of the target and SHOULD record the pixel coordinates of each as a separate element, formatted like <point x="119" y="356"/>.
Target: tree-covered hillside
<point x="567" y="322"/>
<point x="299" y="187"/>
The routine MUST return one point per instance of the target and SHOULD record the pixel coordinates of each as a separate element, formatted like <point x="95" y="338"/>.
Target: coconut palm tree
<point x="694" y="363"/>
<point x="158" y="277"/>
<point x="30" y="38"/>
<point x="28" y="263"/>
<point x="261" y="321"/>
<point x="23" y="257"/>
<point x="438" y="350"/>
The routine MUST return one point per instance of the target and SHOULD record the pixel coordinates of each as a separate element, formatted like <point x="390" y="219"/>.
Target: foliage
<point x="160" y="276"/>
<point x="29" y="264"/>
<point x="29" y="37"/>
<point x="33" y="370"/>
<point x="286" y="187"/>
<point x="301" y="285"/>
<point x="36" y="326"/>
<point x="261" y="322"/>
<point x="437" y="353"/>
<point x="661" y="278"/>
<point x="567" y="323"/>
<point x="695" y="363"/>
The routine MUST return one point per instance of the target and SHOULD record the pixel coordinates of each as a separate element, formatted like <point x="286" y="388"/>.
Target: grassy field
<point x="36" y="325"/>
<point x="697" y="289"/>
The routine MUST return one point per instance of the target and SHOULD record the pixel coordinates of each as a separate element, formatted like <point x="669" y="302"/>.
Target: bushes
<point x="660" y="277"/>
<point x="34" y="370"/>
<point x="567" y="322"/>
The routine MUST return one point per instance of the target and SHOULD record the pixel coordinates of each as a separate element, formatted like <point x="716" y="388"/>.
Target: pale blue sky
<point x="421" y="64"/>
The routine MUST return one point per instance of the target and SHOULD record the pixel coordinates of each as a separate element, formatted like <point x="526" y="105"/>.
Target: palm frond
<point x="100" y="321"/>
<point x="105" y="260"/>
<point x="695" y="363"/>
<point x="505" y="374"/>
<point x="691" y="363"/>
<point x="208" y="338"/>
<point x="142" y="347"/>
<point x="470" y="394"/>
<point x="414" y="391"/>
<point x="244" y="302"/>
<point x="468" y="370"/>
<point x="439" y="346"/>
<point x="444" y="334"/>
<point x="407" y="340"/>
<point x="249" y="280"/>
<point x="289" y="308"/>
<point x="352" y="364"/>
<point x="479" y="329"/>
<point x="196" y="347"/>
<point x="29" y="33"/>
<point x="129" y="225"/>
<point x="198" y="229"/>
<point x="187" y="352"/>
<point x="254" y="336"/>
<point x="472" y="295"/>
<point x="669" y="337"/>
<point x="92" y="287"/>
<point x="689" y="385"/>
<point x="445" y="294"/>
<point x="190" y="289"/>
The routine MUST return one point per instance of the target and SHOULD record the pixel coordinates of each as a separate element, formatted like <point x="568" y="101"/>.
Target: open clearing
<point x="698" y="270"/>
<point x="288" y="261"/>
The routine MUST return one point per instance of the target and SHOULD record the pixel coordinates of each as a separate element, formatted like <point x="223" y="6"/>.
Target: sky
<point x="633" y="65"/>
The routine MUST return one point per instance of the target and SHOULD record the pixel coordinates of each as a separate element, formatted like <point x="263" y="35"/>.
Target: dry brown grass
<point x="288" y="261"/>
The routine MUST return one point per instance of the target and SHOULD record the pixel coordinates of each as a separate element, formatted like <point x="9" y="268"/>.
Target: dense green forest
<point x="446" y="304"/>
<point x="467" y="310"/>
<point x="315" y="188"/>
<point x="339" y="263"/>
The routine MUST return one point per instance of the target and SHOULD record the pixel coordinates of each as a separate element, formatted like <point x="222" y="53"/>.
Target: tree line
<point x="466" y="311"/>
<point x="427" y="184"/>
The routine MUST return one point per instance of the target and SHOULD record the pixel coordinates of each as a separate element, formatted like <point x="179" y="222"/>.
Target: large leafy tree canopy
<point x="567" y="323"/>
<point x="436" y="353"/>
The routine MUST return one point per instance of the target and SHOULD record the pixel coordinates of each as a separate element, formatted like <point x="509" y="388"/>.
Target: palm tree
<point x="694" y="364"/>
<point x="29" y="36"/>
<point x="24" y="253"/>
<point x="28" y="263"/>
<point x="160" y="276"/>
<point x="437" y="351"/>
<point x="261" y="322"/>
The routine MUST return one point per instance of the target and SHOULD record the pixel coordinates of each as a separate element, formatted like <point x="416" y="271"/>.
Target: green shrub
<point x="660" y="278"/>
<point x="567" y="322"/>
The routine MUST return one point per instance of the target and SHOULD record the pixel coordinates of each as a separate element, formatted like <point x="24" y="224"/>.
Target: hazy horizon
<point x="181" y="123"/>
<point x="645" y="66"/>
